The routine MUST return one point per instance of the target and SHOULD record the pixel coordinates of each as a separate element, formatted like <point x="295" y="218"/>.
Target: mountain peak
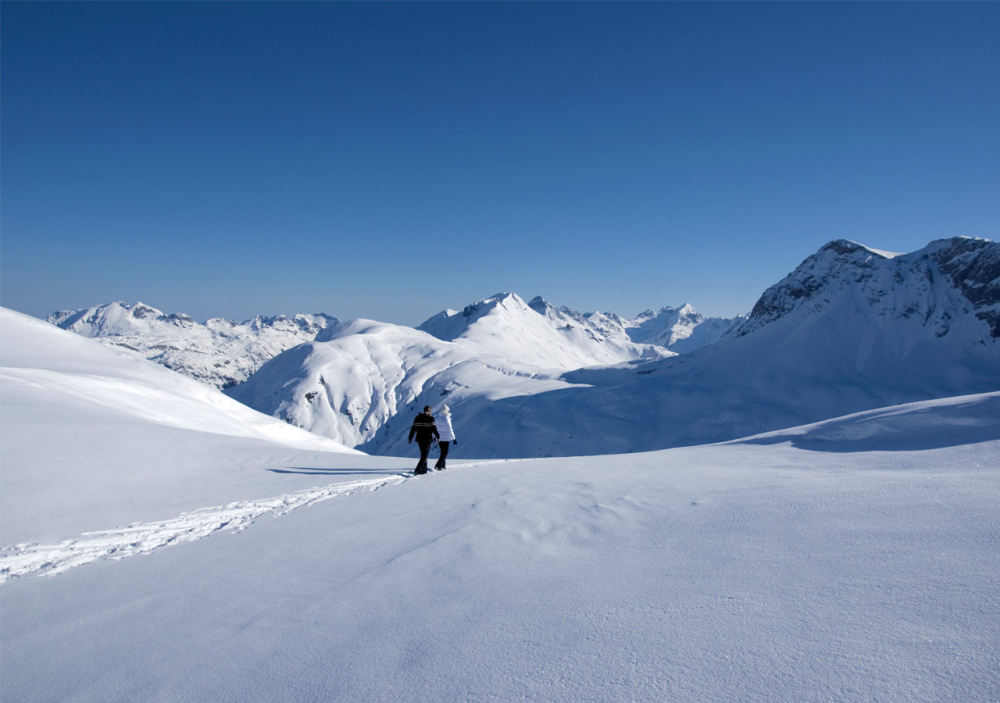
<point x="449" y="325"/>
<point x="916" y="285"/>
<point x="540" y="305"/>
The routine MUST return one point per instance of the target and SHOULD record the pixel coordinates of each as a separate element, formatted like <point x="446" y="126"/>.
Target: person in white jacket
<point x="447" y="436"/>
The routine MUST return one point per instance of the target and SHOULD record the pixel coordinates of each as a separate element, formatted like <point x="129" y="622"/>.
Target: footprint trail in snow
<point x="144" y="537"/>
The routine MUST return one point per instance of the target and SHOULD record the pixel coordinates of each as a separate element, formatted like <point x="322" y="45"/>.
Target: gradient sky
<point x="390" y="160"/>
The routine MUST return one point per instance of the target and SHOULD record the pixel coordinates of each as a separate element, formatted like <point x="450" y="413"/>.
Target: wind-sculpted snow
<point x="218" y="352"/>
<point x="947" y="422"/>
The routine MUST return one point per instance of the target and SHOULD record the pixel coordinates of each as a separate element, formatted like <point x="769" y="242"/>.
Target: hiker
<point x="425" y="430"/>
<point x="446" y="438"/>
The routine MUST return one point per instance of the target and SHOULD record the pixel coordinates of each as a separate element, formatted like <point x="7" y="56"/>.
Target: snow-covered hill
<point x="854" y="559"/>
<point x="219" y="352"/>
<point x="88" y="425"/>
<point x="358" y="375"/>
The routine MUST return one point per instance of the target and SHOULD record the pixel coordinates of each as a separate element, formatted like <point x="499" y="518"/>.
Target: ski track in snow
<point x="143" y="537"/>
<point x="31" y="559"/>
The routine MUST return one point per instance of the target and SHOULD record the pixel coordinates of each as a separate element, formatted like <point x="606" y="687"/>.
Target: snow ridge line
<point x="141" y="538"/>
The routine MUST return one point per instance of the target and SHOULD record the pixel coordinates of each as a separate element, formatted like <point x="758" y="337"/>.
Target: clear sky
<point x="389" y="160"/>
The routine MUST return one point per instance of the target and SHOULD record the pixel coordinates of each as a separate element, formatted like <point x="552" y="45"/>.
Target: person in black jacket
<point x="425" y="430"/>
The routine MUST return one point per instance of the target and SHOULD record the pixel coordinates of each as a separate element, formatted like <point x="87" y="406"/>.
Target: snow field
<point x="142" y="538"/>
<point x="730" y="572"/>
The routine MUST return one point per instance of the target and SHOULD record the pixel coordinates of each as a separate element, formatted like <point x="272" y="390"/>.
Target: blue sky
<point x="389" y="160"/>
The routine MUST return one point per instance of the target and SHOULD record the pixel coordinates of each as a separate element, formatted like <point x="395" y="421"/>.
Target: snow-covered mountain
<point x="682" y="329"/>
<point x="85" y="423"/>
<point x="224" y="353"/>
<point x="356" y="376"/>
<point x="539" y="334"/>
<point x="850" y="329"/>
<point x="219" y="352"/>
<point x="593" y="338"/>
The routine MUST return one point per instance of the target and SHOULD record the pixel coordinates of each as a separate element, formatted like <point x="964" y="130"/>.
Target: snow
<point x="218" y="352"/>
<point x="142" y="538"/>
<point x="154" y="557"/>
<point x="848" y="330"/>
<point x="751" y="570"/>
<point x="844" y="332"/>
<point x="682" y="330"/>
<point x="537" y="334"/>
<point x="360" y="382"/>
<point x="88" y="430"/>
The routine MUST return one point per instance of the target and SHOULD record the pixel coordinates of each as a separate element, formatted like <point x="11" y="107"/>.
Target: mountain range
<point x="219" y="352"/>
<point x="851" y="328"/>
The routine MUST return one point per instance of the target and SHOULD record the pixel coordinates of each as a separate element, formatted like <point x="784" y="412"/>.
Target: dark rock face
<point x="973" y="265"/>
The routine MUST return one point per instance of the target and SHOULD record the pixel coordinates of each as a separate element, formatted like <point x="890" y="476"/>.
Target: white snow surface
<point x="853" y="559"/>
<point x="219" y="352"/>
<point x="90" y="430"/>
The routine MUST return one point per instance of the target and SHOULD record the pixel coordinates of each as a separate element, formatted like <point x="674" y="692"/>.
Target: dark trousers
<point x="444" y="455"/>
<point x="425" y="448"/>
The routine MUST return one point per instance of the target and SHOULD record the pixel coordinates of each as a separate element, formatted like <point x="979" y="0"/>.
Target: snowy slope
<point x="85" y="424"/>
<point x="219" y="352"/>
<point x="849" y="560"/>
